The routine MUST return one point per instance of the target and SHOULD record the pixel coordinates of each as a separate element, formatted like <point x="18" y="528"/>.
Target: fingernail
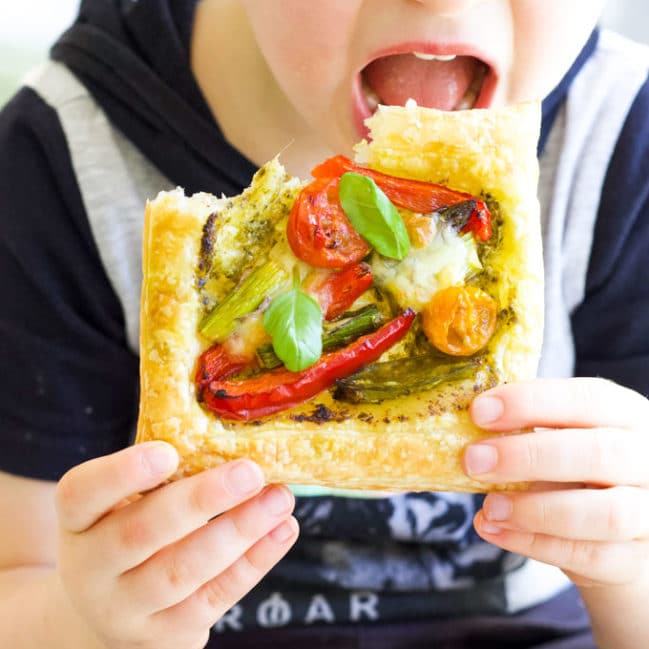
<point x="480" y="458"/>
<point x="160" y="458"/>
<point x="282" y="533"/>
<point x="276" y="501"/>
<point x="498" y="507"/>
<point x="488" y="528"/>
<point x="486" y="410"/>
<point x="245" y="477"/>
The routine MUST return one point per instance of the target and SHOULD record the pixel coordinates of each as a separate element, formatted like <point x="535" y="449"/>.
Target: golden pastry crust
<point x="411" y="443"/>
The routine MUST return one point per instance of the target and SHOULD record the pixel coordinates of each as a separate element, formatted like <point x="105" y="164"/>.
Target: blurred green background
<point x="14" y="62"/>
<point x="27" y="30"/>
<point x="29" y="27"/>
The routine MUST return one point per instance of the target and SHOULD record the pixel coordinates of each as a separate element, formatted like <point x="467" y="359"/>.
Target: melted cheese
<point x="446" y="261"/>
<point x="247" y="337"/>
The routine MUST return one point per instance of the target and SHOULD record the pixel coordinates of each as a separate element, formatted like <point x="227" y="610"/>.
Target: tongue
<point x="434" y="84"/>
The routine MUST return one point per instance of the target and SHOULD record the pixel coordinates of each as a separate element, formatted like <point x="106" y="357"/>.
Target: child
<point x="130" y="105"/>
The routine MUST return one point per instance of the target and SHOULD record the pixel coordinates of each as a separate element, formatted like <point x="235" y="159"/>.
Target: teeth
<point x="473" y="91"/>
<point x="467" y="102"/>
<point x="435" y="57"/>
<point x="373" y="100"/>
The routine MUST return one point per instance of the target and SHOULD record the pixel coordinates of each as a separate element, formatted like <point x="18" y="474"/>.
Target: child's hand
<point x="157" y="571"/>
<point x="588" y="512"/>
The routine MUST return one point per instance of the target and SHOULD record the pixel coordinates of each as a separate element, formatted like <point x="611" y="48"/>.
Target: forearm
<point x="619" y="615"/>
<point x="36" y="613"/>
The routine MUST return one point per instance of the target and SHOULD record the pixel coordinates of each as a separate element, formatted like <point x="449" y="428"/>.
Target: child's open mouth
<point x="442" y="81"/>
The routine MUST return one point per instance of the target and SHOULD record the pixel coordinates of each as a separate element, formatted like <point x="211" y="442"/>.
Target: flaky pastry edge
<point x="410" y="444"/>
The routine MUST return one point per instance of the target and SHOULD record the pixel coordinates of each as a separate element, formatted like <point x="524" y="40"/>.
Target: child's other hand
<point x="158" y="570"/>
<point x="588" y="510"/>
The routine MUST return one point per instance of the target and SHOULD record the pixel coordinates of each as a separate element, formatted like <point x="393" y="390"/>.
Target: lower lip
<point x="361" y="110"/>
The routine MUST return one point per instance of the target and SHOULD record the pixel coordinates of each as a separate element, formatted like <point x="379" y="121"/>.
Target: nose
<point x="449" y="7"/>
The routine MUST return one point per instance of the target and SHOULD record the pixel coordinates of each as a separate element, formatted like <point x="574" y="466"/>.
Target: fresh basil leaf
<point x="294" y="321"/>
<point x="373" y="215"/>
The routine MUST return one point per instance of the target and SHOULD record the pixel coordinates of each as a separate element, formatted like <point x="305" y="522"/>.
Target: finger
<point x="596" y="455"/>
<point x="601" y="562"/>
<point x="616" y="514"/>
<point x="133" y="534"/>
<point x="177" y="571"/>
<point x="208" y="604"/>
<point x="88" y="491"/>
<point x="559" y="403"/>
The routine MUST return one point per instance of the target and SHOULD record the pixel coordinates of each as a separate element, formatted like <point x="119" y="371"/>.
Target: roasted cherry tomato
<point x="319" y="231"/>
<point x="414" y="195"/>
<point x="460" y="320"/>
<point x="337" y="291"/>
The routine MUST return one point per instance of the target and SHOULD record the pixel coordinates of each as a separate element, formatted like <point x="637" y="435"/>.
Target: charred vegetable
<point x="345" y="331"/>
<point x="392" y="379"/>
<point x="251" y="292"/>
<point x="248" y="399"/>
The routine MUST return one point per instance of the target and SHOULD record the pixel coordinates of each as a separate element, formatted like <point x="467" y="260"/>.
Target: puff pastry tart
<point x="336" y="330"/>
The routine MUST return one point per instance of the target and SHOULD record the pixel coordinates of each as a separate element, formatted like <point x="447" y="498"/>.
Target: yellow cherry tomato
<point x="460" y="320"/>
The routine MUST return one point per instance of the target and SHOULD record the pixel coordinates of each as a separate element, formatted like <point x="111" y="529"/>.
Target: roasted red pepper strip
<point x="216" y="361"/>
<point x="266" y="394"/>
<point x="337" y="291"/>
<point x="414" y="195"/>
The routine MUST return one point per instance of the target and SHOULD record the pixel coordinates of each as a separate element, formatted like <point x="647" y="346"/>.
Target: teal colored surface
<point x="311" y="491"/>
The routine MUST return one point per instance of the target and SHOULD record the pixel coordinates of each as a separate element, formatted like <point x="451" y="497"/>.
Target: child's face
<point x="334" y="58"/>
